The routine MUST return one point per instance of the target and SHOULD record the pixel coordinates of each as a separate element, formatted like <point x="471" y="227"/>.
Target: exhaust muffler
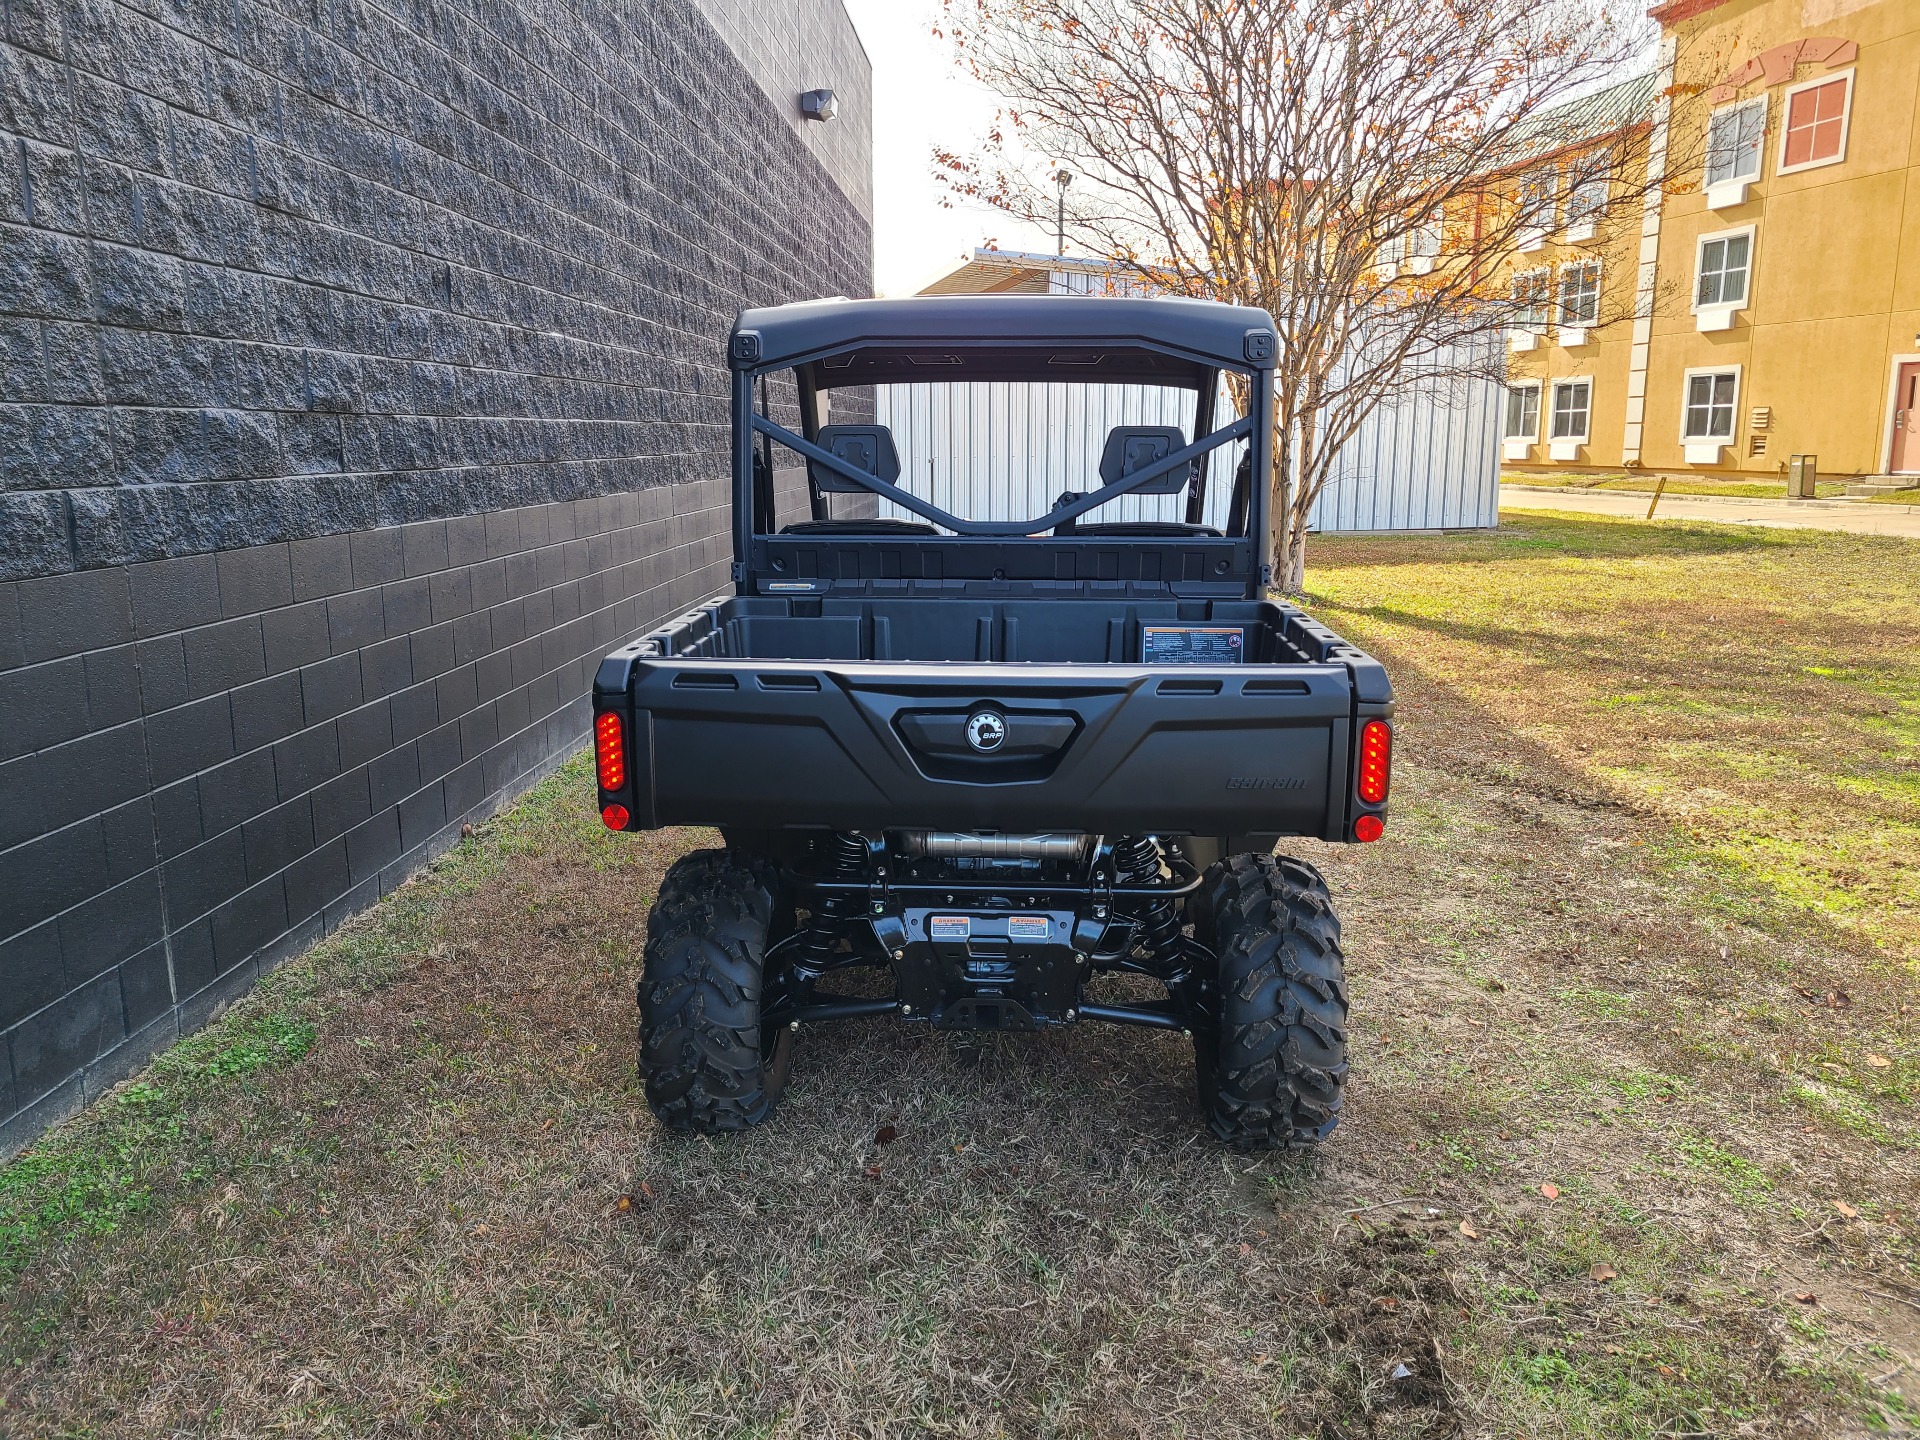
<point x="991" y="845"/>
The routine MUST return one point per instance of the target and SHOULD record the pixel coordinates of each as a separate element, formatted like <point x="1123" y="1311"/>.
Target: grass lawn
<point x="1909" y="496"/>
<point x="1631" y="1148"/>
<point x="1642" y="484"/>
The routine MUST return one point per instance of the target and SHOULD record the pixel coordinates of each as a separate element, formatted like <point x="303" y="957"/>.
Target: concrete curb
<point x="1562" y="490"/>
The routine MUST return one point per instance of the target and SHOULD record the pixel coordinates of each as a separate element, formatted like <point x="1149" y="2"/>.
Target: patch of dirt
<point x="1496" y="779"/>
<point x="1389" y="1303"/>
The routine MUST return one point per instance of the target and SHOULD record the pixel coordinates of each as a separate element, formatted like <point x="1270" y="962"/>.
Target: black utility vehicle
<point x="998" y="758"/>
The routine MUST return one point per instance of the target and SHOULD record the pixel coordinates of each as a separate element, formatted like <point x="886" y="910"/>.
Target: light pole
<point x="1062" y="178"/>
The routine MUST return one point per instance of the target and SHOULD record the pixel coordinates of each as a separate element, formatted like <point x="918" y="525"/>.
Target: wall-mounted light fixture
<point x="819" y="105"/>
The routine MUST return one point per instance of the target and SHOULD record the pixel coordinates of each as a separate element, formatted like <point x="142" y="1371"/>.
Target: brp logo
<point x="986" y="730"/>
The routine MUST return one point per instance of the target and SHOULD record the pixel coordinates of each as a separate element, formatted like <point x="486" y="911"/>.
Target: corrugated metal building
<point x="999" y="451"/>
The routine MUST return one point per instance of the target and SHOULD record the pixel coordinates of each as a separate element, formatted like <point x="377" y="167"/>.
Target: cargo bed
<point x="1069" y="631"/>
<point x="1228" y="718"/>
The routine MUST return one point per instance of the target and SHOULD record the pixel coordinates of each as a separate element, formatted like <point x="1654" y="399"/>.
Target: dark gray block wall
<point x="361" y="383"/>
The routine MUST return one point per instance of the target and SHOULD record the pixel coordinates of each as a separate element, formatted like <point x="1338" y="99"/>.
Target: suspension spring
<point x="1136" y="861"/>
<point x="847" y="859"/>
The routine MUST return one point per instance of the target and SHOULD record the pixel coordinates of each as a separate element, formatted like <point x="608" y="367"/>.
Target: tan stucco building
<point x="1769" y="302"/>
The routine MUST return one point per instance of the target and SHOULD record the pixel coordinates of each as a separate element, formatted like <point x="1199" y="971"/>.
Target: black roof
<point x="1058" y="337"/>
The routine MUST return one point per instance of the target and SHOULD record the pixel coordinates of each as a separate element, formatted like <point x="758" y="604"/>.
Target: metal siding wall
<point x="1425" y="461"/>
<point x="997" y="451"/>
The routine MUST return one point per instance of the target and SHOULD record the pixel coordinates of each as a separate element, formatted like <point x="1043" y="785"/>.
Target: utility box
<point x="1803" y="471"/>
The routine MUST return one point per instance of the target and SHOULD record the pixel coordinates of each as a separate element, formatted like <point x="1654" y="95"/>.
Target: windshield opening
<point x="1007" y="451"/>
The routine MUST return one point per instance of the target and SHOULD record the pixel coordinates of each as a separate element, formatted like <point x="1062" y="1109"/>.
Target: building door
<point x="1906" y="422"/>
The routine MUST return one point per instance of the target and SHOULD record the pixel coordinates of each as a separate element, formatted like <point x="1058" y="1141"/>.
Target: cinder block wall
<point x="361" y="383"/>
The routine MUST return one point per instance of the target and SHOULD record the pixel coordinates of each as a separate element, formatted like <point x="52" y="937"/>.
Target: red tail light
<point x="1376" y="761"/>
<point x="610" y="750"/>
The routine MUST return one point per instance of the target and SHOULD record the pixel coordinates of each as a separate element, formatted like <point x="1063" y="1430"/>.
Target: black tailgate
<point x="1102" y="748"/>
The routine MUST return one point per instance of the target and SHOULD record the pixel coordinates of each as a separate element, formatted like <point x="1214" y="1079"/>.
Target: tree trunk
<point x="1293" y="573"/>
<point x="1289" y="514"/>
<point x="1280" y="504"/>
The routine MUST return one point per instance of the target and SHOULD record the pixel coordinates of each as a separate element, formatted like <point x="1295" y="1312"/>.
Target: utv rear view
<point x="997" y="754"/>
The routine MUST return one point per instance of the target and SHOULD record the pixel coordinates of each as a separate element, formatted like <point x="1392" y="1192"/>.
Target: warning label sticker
<point x="1192" y="644"/>
<point x="948" y="927"/>
<point x="1027" y="927"/>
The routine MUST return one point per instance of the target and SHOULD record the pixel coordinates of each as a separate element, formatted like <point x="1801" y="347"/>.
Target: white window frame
<point x="1544" y="318"/>
<point x="1686" y="384"/>
<point x="1719" y="314"/>
<point x="1705" y="449"/>
<point x="1534" y="228"/>
<point x="1386" y="260"/>
<point x="1575" y="334"/>
<point x="1732" y="189"/>
<point x="1566" y="447"/>
<point x="1423" y="245"/>
<point x="1515" y="447"/>
<point x="1846" y="123"/>
<point x="1583" y="220"/>
<point x="1531" y="437"/>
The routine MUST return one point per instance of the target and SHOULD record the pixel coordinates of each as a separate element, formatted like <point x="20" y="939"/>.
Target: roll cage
<point x="831" y="344"/>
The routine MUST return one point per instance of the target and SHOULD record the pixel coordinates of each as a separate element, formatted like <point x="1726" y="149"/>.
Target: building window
<point x="1816" y="128"/>
<point x="1537" y="197"/>
<point x="1538" y="206"/>
<point x="1523" y="412"/>
<point x="1388" y="257"/>
<point x="1572" y="403"/>
<point x="1586" y="202"/>
<point x="1530" y="300"/>
<point x="1733" y="142"/>
<point x="1414" y="250"/>
<point x="1725" y="261"/>
<point x="1711" y="398"/>
<point x="1580" y="294"/>
<point x="1423" y="241"/>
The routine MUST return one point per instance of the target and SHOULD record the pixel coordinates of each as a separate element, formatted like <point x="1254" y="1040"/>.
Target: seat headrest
<point x="865" y="447"/>
<point x="1134" y="447"/>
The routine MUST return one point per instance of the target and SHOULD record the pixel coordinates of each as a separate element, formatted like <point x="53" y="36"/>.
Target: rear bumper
<point x="1253" y="750"/>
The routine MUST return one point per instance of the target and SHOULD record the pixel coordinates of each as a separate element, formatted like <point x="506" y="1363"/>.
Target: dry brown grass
<point x="1760" y="688"/>
<point x="453" y="1215"/>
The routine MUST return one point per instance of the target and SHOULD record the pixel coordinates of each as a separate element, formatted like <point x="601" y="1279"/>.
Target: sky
<point x="920" y="99"/>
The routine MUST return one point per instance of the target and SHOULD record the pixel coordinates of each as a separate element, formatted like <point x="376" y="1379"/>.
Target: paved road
<point x="1784" y="514"/>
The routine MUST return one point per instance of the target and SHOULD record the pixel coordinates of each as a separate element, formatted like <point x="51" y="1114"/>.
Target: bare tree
<point x="1368" y="171"/>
